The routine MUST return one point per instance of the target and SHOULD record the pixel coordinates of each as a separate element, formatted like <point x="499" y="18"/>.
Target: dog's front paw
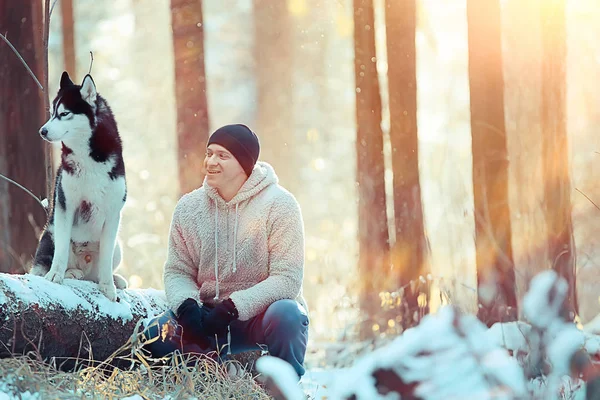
<point x="54" y="276"/>
<point x="109" y="290"/>
<point x="74" y="274"/>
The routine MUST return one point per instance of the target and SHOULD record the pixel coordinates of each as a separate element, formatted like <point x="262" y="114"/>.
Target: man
<point x="235" y="264"/>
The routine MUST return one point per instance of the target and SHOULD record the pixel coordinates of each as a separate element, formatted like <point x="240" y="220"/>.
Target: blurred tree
<point x="190" y="91"/>
<point x="68" y="31"/>
<point x="21" y="149"/>
<point x="495" y="266"/>
<point x="522" y="48"/>
<point x="555" y="150"/>
<point x="409" y="249"/>
<point x="373" y="239"/>
<point x="312" y="119"/>
<point x="41" y="36"/>
<point x="273" y="57"/>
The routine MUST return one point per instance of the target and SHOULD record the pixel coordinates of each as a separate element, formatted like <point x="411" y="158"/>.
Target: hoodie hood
<point x="262" y="176"/>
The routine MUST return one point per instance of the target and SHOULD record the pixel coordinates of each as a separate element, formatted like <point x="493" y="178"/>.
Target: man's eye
<point x="64" y="113"/>
<point x="224" y="156"/>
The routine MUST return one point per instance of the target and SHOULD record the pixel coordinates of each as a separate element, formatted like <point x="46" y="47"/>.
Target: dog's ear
<point x="88" y="90"/>
<point x="65" y="80"/>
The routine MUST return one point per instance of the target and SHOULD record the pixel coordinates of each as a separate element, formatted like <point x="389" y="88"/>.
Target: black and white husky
<point x="79" y="240"/>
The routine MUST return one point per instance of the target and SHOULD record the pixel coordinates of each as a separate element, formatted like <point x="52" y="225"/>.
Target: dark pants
<point x="282" y="330"/>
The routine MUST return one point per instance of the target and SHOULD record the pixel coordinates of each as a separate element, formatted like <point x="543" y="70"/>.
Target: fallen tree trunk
<point x="69" y="322"/>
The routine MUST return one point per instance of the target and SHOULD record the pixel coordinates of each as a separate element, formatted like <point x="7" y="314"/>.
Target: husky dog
<point x="79" y="240"/>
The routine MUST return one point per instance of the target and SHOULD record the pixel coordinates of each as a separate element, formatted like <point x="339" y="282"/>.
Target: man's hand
<point x="219" y="318"/>
<point x="191" y="317"/>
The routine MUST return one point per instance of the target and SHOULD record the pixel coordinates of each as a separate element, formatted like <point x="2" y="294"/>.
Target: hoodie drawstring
<point x="229" y="339"/>
<point x="216" y="251"/>
<point x="234" y="267"/>
<point x="235" y="237"/>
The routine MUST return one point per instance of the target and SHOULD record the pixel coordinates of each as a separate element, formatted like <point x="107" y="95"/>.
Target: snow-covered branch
<point x="453" y="355"/>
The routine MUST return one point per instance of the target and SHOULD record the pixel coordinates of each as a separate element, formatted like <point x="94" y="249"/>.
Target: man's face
<point x="222" y="168"/>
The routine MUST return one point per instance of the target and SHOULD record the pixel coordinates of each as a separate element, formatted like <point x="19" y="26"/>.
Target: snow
<point x="452" y="355"/>
<point x="20" y="396"/>
<point x="77" y="295"/>
<point x="448" y="355"/>
<point x="8" y="391"/>
<point x="282" y="374"/>
<point x="510" y="335"/>
<point x="563" y="346"/>
<point x="544" y="299"/>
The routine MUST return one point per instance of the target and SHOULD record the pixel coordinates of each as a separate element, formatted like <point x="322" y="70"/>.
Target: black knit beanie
<point x="240" y="141"/>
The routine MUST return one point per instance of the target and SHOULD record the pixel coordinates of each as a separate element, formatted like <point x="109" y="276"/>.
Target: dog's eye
<point x="64" y="113"/>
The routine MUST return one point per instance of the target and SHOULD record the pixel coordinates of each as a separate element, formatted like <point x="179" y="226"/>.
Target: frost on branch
<point x="446" y="356"/>
<point x="451" y="355"/>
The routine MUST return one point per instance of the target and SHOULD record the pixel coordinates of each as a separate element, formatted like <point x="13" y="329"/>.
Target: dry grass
<point x="173" y="377"/>
<point x="181" y="378"/>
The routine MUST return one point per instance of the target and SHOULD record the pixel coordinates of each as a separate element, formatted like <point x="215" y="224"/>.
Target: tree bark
<point x="69" y="321"/>
<point x="68" y="31"/>
<point x="21" y="149"/>
<point x="190" y="91"/>
<point x="409" y="249"/>
<point x="555" y="150"/>
<point x="41" y="56"/>
<point x="373" y="238"/>
<point x="495" y="266"/>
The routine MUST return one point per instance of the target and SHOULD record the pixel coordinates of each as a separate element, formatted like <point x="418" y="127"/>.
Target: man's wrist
<point x="231" y="309"/>
<point x="187" y="304"/>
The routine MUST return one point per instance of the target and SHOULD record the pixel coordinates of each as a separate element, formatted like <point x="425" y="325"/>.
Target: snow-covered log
<point x="69" y="321"/>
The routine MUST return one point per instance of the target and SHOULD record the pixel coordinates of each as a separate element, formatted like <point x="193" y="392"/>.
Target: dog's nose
<point x="44" y="132"/>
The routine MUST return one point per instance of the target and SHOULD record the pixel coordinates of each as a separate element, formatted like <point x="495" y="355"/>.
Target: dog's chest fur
<point x="90" y="194"/>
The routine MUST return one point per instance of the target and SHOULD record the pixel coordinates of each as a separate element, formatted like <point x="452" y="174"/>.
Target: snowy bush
<point x="451" y="355"/>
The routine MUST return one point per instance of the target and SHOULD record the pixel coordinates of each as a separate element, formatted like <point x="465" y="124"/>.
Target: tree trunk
<point x="21" y="148"/>
<point x="41" y="37"/>
<point x="190" y="91"/>
<point x="495" y="267"/>
<point x="373" y="239"/>
<point x="409" y="249"/>
<point x="555" y="150"/>
<point x="68" y="31"/>
<point x="69" y="321"/>
<point x="522" y="44"/>
<point x="273" y="54"/>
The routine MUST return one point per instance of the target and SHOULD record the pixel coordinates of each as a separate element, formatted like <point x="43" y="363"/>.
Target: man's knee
<point x="161" y="334"/>
<point x="286" y="315"/>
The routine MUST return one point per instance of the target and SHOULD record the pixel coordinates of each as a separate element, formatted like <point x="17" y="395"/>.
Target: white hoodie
<point x="250" y="249"/>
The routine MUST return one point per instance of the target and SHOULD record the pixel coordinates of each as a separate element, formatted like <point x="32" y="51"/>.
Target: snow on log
<point x="70" y="320"/>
